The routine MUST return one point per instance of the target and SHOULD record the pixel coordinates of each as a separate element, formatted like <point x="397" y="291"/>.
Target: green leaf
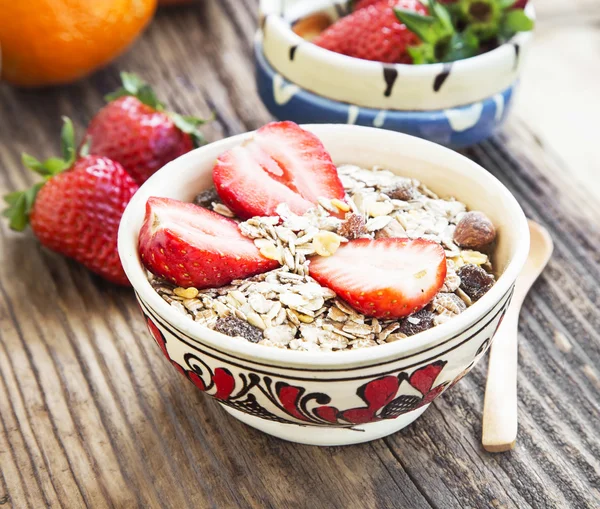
<point x="418" y="24"/>
<point x="67" y="141"/>
<point x="189" y="124"/>
<point x="517" y="21"/>
<point x="56" y="165"/>
<point x="120" y="92"/>
<point x="422" y="54"/>
<point x="461" y="46"/>
<point x="11" y="198"/>
<point x="16" y="213"/>
<point x="135" y="86"/>
<point x="84" y="151"/>
<point x="132" y="83"/>
<point x="506" y="4"/>
<point x="34" y="164"/>
<point x="442" y="15"/>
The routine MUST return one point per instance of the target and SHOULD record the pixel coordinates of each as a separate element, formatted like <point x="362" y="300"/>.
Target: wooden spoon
<point x="500" y="407"/>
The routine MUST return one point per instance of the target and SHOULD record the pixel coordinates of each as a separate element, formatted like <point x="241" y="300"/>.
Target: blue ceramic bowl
<point x="456" y="127"/>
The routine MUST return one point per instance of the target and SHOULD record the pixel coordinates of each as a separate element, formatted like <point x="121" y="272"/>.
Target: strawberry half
<point x="282" y="163"/>
<point x="386" y="278"/>
<point x="193" y="246"/>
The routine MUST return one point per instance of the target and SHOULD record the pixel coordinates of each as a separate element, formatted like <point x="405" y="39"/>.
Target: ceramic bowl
<point x="457" y="104"/>
<point x="334" y="398"/>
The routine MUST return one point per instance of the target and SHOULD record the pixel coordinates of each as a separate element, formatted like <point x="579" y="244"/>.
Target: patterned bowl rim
<point x="436" y="154"/>
<point x="498" y="62"/>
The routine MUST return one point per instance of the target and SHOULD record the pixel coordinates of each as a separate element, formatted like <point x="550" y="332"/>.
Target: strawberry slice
<point x="192" y="246"/>
<point x="386" y="278"/>
<point x="282" y="163"/>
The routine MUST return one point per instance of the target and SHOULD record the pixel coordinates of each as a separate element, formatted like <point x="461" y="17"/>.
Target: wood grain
<point x="91" y="415"/>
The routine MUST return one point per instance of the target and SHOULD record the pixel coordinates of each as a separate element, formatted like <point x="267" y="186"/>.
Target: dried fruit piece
<point x="417" y="322"/>
<point x="231" y="326"/>
<point x="353" y="227"/>
<point x="475" y="231"/>
<point x="206" y="198"/>
<point x="475" y="281"/>
<point x="404" y="191"/>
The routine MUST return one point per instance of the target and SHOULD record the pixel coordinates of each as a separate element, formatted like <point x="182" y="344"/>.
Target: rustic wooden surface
<point x="91" y="415"/>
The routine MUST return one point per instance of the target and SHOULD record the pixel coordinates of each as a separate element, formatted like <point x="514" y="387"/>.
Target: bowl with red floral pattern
<point x="323" y="283"/>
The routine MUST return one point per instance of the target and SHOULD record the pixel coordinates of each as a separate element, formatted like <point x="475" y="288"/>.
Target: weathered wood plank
<point x="91" y="415"/>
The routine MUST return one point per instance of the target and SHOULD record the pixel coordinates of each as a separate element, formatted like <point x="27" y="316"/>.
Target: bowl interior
<point x="446" y="172"/>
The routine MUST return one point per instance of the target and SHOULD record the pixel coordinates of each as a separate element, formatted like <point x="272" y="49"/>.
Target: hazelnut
<point x="474" y="231"/>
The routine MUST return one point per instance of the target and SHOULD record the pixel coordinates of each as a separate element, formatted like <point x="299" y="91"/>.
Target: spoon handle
<point x="500" y="407"/>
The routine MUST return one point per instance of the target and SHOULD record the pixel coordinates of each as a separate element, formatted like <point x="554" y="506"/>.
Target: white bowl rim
<point x="326" y="360"/>
<point x="428" y="70"/>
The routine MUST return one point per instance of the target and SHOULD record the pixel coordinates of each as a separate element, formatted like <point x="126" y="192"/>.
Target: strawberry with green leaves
<point x="135" y="130"/>
<point x="77" y="207"/>
<point x="461" y="29"/>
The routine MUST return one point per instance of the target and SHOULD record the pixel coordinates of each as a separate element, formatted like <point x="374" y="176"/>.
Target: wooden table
<point x="90" y="414"/>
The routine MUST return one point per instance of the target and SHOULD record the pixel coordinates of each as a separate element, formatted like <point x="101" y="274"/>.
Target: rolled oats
<point x="287" y="308"/>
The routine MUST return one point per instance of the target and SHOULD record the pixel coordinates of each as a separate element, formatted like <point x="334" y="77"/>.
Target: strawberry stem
<point x="135" y="86"/>
<point x="20" y="203"/>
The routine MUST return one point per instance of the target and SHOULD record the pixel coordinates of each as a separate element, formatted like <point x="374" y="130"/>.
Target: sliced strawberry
<point x="283" y="163"/>
<point x="192" y="246"/>
<point x="385" y="278"/>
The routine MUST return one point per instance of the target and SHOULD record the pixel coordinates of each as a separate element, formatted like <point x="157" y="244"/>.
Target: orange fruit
<point x="47" y="42"/>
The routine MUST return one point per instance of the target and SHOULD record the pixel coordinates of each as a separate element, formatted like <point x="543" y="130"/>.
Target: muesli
<point x="286" y="307"/>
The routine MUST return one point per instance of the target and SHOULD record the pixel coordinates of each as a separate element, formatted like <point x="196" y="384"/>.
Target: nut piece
<point x="473" y="257"/>
<point x="404" y="191"/>
<point x="186" y="293"/>
<point x="326" y="243"/>
<point x="353" y="227"/>
<point x="474" y="231"/>
<point x="340" y="205"/>
<point x="232" y="326"/>
<point x="380" y="208"/>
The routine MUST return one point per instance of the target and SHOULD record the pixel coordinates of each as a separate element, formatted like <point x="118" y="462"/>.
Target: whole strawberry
<point x="135" y="130"/>
<point x="76" y="210"/>
<point x="373" y="33"/>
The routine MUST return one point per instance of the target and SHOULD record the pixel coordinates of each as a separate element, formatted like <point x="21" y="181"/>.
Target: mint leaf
<point x="417" y="23"/>
<point x="517" y="21"/>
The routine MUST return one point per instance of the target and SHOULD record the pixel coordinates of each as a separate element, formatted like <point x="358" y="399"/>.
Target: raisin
<point x="206" y="198"/>
<point x="474" y="231"/>
<point x="232" y="326"/>
<point x="423" y="320"/>
<point x="404" y="191"/>
<point x="353" y="227"/>
<point x="475" y="281"/>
